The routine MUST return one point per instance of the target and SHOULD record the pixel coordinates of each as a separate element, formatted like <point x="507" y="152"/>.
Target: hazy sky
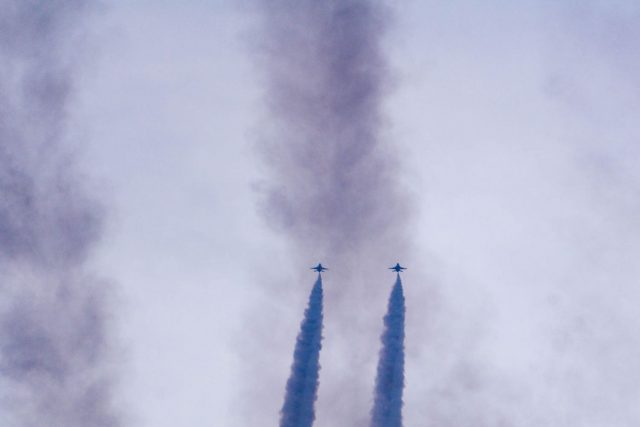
<point x="516" y="128"/>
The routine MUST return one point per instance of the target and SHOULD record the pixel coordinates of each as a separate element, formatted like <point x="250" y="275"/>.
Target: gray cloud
<point x="53" y="312"/>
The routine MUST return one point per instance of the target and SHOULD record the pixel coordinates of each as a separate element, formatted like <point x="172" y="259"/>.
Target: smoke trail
<point x="387" y="406"/>
<point x="53" y="314"/>
<point x="302" y="386"/>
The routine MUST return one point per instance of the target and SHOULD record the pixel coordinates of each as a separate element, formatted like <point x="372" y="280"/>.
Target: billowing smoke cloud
<point x="302" y="388"/>
<point x="331" y="184"/>
<point x="387" y="407"/>
<point x="53" y="313"/>
<point x="332" y="187"/>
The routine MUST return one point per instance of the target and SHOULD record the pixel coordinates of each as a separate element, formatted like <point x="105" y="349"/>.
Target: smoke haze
<point x="53" y="313"/>
<point x="517" y="127"/>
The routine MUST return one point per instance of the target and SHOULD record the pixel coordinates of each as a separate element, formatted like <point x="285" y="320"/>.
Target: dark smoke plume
<point x="332" y="183"/>
<point x="302" y="387"/>
<point x="387" y="406"/>
<point x="53" y="314"/>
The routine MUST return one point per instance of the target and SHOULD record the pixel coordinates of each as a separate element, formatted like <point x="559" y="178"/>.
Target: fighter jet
<point x="397" y="268"/>
<point x="319" y="268"/>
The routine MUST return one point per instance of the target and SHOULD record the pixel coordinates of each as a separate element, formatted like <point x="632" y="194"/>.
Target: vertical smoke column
<point x="331" y="184"/>
<point x="387" y="406"/>
<point x="332" y="180"/>
<point x="53" y="314"/>
<point x="302" y="387"/>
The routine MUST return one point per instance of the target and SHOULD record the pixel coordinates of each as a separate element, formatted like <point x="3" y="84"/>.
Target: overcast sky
<point x="516" y="128"/>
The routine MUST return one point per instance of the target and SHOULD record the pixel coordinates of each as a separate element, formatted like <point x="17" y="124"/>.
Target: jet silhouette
<point x="319" y="268"/>
<point x="397" y="268"/>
